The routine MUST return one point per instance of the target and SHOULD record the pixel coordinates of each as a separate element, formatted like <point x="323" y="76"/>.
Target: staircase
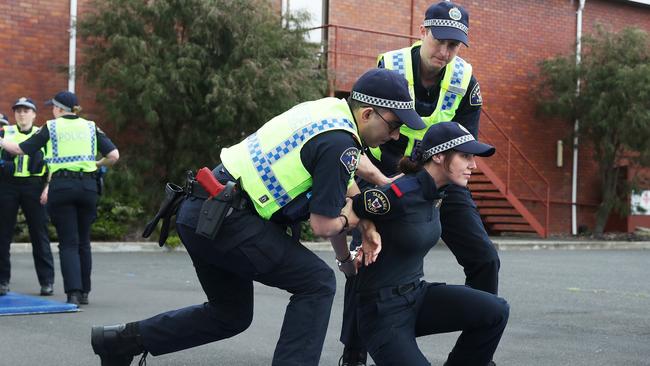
<point x="500" y="211"/>
<point x="512" y="196"/>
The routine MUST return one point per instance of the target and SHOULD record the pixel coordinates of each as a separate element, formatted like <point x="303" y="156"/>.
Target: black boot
<point x="353" y="357"/>
<point x="74" y="297"/>
<point x="117" y="344"/>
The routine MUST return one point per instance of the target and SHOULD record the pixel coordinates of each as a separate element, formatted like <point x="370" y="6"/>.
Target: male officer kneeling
<point x="297" y="166"/>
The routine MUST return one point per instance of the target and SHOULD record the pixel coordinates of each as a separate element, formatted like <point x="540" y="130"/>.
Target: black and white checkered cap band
<point x="61" y="105"/>
<point x="445" y="23"/>
<point x="25" y="104"/>
<point x="446" y="146"/>
<point x="379" y="102"/>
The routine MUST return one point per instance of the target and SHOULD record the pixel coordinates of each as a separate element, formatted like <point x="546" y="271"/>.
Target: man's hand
<point x="353" y="219"/>
<point x="370" y="242"/>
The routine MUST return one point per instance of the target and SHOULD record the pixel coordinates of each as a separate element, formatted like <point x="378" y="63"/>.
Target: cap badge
<point x="455" y="14"/>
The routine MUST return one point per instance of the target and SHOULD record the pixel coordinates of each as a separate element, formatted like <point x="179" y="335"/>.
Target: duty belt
<point x="22" y="180"/>
<point x="388" y="292"/>
<point x="70" y="174"/>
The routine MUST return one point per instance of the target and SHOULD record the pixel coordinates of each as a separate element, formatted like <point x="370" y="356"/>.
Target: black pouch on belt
<point x="214" y="210"/>
<point x="173" y="196"/>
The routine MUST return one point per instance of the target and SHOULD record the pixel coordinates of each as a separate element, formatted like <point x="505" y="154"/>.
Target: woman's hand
<point x="43" y="199"/>
<point x="370" y="241"/>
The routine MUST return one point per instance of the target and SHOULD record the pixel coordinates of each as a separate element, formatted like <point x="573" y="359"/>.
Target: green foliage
<point x="183" y="78"/>
<point x="120" y="209"/>
<point x="613" y="105"/>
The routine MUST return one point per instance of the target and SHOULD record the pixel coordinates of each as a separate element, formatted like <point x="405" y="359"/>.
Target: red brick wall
<point x="34" y="41"/>
<point x="507" y="40"/>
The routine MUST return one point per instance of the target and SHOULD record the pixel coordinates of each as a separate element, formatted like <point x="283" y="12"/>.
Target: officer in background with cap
<point x="71" y="145"/>
<point x="444" y="89"/>
<point x="3" y="120"/>
<point x="297" y="166"/>
<point x="22" y="180"/>
<point x="394" y="305"/>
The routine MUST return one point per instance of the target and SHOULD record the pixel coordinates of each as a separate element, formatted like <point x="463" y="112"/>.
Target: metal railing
<point x="530" y="185"/>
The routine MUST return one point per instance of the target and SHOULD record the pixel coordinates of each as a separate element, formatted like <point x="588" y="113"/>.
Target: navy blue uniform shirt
<point x="426" y="100"/>
<point x="40" y="139"/>
<point x="407" y="217"/>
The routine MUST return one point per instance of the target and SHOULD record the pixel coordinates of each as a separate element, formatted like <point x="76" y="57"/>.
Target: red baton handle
<point x="209" y="182"/>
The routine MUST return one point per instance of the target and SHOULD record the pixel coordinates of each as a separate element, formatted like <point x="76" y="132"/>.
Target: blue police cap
<point x="24" y="102"/>
<point x="445" y="136"/>
<point x="447" y="20"/>
<point x="65" y="100"/>
<point x="388" y="89"/>
<point x="4" y="121"/>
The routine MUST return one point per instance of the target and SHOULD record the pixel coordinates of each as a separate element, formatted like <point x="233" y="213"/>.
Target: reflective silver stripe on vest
<point x="454" y="85"/>
<point x="398" y="63"/>
<point x="262" y="161"/>
<point x="70" y="159"/>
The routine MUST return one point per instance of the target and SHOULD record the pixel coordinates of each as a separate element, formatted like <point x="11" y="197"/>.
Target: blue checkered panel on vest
<point x="456" y="81"/>
<point x="262" y="161"/>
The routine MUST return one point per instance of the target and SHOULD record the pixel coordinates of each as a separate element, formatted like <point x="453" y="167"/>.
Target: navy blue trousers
<point x="246" y="249"/>
<point x="25" y="195"/>
<point x="390" y="323"/>
<point x="464" y="234"/>
<point x="72" y="205"/>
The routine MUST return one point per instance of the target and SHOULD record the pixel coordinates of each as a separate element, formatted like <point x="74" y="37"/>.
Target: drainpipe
<point x="574" y="179"/>
<point x="72" y="49"/>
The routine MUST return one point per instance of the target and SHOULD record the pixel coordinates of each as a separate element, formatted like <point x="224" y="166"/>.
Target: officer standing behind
<point x="3" y="120"/>
<point x="22" y="180"/>
<point x="394" y="305"/>
<point x="71" y="144"/>
<point x="444" y="89"/>
<point x="297" y="166"/>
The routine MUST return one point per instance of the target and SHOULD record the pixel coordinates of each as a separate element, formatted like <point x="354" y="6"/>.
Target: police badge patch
<point x="455" y="14"/>
<point x="376" y="202"/>
<point x="475" y="98"/>
<point x="350" y="159"/>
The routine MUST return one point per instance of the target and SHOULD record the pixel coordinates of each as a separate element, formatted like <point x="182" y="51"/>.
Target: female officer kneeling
<point x="395" y="305"/>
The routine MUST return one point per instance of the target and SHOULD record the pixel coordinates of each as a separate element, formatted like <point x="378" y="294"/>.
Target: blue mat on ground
<point x="19" y="304"/>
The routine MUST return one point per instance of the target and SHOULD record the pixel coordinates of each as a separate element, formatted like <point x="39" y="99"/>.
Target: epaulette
<point x="404" y="185"/>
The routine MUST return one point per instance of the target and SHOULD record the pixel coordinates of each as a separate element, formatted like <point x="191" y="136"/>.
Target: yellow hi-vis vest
<point x="453" y="87"/>
<point x="72" y="145"/>
<point x="268" y="164"/>
<point x="21" y="162"/>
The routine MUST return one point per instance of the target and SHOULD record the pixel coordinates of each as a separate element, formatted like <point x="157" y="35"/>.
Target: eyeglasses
<point x="392" y="126"/>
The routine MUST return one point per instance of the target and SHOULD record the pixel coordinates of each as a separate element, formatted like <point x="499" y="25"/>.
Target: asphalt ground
<point x="568" y="307"/>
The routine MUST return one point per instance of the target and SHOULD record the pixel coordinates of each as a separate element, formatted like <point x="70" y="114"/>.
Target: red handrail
<point x="510" y="146"/>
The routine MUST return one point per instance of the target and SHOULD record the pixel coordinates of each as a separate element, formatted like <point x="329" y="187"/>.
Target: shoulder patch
<point x="475" y="98"/>
<point x="376" y="202"/>
<point x="350" y="159"/>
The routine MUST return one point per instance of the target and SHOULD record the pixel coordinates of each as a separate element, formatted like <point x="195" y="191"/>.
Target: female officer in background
<point x="22" y="180"/>
<point x="71" y="145"/>
<point x="394" y="305"/>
